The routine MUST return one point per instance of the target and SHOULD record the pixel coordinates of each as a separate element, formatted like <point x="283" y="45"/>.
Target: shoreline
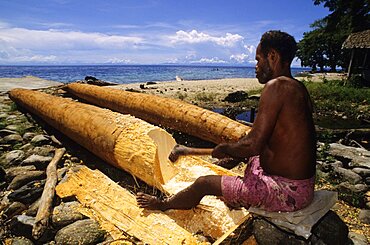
<point x="171" y="88"/>
<point x="195" y="90"/>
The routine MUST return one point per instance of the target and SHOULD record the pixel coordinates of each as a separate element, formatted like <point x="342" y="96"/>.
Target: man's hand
<point x="220" y="151"/>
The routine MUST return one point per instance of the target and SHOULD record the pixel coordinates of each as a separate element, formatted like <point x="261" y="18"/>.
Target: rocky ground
<point x="27" y="146"/>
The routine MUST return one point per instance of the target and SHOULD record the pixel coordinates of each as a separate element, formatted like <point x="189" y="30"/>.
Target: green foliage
<point x="356" y="81"/>
<point x="322" y="47"/>
<point x="353" y="198"/>
<point x="3" y="124"/>
<point x="181" y="96"/>
<point x="205" y="97"/>
<point x="13" y="107"/>
<point x="333" y="96"/>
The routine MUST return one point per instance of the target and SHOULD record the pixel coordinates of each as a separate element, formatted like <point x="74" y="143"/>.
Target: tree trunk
<point x="141" y="149"/>
<point x="167" y="112"/>
<point x="121" y="140"/>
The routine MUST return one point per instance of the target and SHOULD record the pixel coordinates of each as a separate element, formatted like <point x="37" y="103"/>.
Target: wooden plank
<point x="111" y="204"/>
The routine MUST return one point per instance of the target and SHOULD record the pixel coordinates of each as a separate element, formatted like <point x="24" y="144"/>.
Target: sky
<point x="191" y="32"/>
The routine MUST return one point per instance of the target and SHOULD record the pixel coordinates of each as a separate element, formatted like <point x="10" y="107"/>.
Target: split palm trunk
<point x="123" y="141"/>
<point x="167" y="112"/>
<point x="139" y="148"/>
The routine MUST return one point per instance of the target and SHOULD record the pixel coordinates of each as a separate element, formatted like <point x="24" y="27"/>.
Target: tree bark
<point x="47" y="197"/>
<point x="167" y="112"/>
<point x="121" y="140"/>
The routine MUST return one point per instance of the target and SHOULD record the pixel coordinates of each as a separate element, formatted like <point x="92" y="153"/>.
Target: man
<point x="281" y="147"/>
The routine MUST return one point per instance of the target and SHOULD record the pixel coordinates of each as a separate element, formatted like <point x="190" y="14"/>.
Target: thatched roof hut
<point x="359" y="42"/>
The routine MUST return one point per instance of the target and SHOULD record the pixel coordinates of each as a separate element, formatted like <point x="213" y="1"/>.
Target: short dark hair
<point x="282" y="42"/>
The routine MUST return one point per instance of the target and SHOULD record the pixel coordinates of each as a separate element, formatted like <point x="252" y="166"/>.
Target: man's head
<point x="274" y="55"/>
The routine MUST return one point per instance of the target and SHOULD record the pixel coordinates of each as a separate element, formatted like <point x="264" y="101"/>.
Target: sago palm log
<point x="171" y="113"/>
<point x="121" y="140"/>
<point x="139" y="148"/>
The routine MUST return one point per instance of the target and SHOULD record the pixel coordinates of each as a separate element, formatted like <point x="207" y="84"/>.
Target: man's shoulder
<point x="283" y="82"/>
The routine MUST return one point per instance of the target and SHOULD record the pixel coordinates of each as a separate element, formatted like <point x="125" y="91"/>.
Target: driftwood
<point x="43" y="213"/>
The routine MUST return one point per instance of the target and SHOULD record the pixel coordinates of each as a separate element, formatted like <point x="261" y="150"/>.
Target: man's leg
<point x="185" y="199"/>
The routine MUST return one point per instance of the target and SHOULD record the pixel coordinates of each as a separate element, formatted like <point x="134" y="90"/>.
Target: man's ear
<point x="273" y="56"/>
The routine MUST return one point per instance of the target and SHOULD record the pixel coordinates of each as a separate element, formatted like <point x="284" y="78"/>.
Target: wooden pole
<point x="47" y="197"/>
<point x="351" y="63"/>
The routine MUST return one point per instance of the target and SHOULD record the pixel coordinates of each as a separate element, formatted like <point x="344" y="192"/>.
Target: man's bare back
<point x="290" y="150"/>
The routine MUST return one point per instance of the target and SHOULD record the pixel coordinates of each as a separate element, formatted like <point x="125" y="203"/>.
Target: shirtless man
<point x="281" y="147"/>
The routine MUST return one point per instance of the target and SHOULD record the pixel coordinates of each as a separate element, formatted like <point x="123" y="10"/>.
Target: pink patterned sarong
<point x="272" y="193"/>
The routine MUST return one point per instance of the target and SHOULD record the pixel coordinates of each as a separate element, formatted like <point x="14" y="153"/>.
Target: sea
<point x="123" y="74"/>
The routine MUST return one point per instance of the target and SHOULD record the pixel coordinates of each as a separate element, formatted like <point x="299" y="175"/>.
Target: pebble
<point x="363" y="172"/>
<point x="3" y="115"/>
<point x="28" y="136"/>
<point x="14" y="208"/>
<point x="348" y="175"/>
<point x="11" y="118"/>
<point x="364" y="216"/>
<point x="27" y="147"/>
<point x="82" y="232"/>
<point x="45" y="150"/>
<point x="12" y="127"/>
<point x="12" y="139"/>
<point x="14" y="171"/>
<point x="357" y="239"/>
<point x="37" y="160"/>
<point x="25" y="178"/>
<point x="5" y="132"/>
<point x="18" y="241"/>
<point x="14" y="157"/>
<point x="39" y="140"/>
<point x="346" y="187"/>
<point x="66" y="213"/>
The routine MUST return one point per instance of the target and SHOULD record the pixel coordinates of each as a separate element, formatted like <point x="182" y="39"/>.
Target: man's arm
<point x="252" y="144"/>
<point x="180" y="150"/>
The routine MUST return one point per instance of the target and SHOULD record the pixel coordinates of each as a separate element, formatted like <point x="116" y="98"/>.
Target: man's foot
<point x="177" y="151"/>
<point x="149" y="202"/>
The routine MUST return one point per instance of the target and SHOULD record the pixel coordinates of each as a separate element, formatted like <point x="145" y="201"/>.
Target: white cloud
<point x="194" y="37"/>
<point x="119" y="61"/>
<point x="37" y="58"/>
<point x="214" y="60"/>
<point x="245" y="57"/>
<point x="54" y="46"/>
<point x="239" y="58"/>
<point x="250" y="48"/>
<point x="57" y="40"/>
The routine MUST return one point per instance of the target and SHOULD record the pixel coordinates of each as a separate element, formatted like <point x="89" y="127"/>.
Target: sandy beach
<point x="191" y="91"/>
<point x="201" y="92"/>
<point x="211" y="90"/>
<point x="28" y="82"/>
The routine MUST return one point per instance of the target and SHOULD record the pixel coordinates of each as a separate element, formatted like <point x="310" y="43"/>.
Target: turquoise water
<point x="131" y="73"/>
